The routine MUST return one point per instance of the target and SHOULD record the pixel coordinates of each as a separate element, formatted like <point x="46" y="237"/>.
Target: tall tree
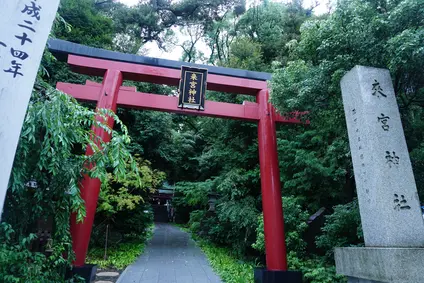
<point x="88" y="25"/>
<point x="373" y="33"/>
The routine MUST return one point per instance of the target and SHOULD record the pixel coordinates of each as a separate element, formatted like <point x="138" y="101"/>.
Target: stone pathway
<point x="171" y="256"/>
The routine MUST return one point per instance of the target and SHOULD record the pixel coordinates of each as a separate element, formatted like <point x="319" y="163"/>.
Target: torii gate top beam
<point x="161" y="75"/>
<point x="166" y="71"/>
<point x="62" y="48"/>
<point x="94" y="61"/>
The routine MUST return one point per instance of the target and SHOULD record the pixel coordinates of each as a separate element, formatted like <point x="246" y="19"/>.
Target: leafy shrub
<point x="126" y="194"/>
<point x="19" y="264"/>
<point x="226" y="265"/>
<point x="55" y="134"/>
<point x="314" y="270"/>
<point x="135" y="223"/>
<point x="195" y="220"/>
<point x="119" y="256"/>
<point x="124" y="226"/>
<point x="294" y="225"/>
<point x="342" y="228"/>
<point x="234" y="221"/>
<point x="122" y="212"/>
<point x="227" y="226"/>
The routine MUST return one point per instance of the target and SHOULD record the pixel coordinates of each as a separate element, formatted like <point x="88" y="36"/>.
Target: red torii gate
<point x="110" y="94"/>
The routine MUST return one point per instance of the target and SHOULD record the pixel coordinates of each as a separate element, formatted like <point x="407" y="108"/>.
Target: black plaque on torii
<point x="192" y="88"/>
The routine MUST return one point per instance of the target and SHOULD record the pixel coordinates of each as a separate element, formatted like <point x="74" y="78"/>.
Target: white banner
<point x="25" y="26"/>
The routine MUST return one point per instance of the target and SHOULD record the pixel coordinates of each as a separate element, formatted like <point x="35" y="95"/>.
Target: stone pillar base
<point x="381" y="265"/>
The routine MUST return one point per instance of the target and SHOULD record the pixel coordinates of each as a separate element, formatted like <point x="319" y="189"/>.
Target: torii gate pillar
<point x="275" y="247"/>
<point x="89" y="187"/>
<point x="270" y="186"/>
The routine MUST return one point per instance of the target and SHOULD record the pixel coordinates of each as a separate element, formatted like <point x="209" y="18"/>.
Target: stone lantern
<point x="212" y="201"/>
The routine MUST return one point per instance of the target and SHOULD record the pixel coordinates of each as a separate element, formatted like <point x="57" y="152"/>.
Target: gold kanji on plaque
<point x="192" y="88"/>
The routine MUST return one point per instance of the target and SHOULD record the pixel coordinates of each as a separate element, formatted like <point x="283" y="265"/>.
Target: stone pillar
<point x="388" y="200"/>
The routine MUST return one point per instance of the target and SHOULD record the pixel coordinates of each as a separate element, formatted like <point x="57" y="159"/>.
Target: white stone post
<point x="24" y="29"/>
<point x="390" y="210"/>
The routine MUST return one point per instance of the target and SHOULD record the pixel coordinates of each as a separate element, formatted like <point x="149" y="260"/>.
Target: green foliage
<point x="122" y="214"/>
<point x="167" y="141"/>
<point x="314" y="165"/>
<point x="273" y="26"/>
<point x="209" y="156"/>
<point x="315" y="162"/>
<point x="55" y="133"/>
<point x="79" y="21"/>
<point x="87" y="25"/>
<point x="118" y="195"/>
<point x="240" y="214"/>
<point x="51" y="149"/>
<point x="135" y="26"/>
<point x="372" y="33"/>
<point x="233" y="225"/>
<point x="234" y="221"/>
<point x="193" y="193"/>
<point x="151" y="20"/>
<point x="119" y="256"/>
<point x="231" y="268"/>
<point x="246" y="54"/>
<point x="314" y="270"/>
<point x="19" y="264"/>
<point x="226" y="161"/>
<point x="342" y="228"/>
<point x="226" y="265"/>
<point x="134" y="224"/>
<point x="122" y="226"/>
<point x="294" y="224"/>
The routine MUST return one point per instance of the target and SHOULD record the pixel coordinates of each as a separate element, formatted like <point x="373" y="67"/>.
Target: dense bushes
<point x="18" y="262"/>
<point x="119" y="256"/>
<point x="315" y="269"/>
<point x="294" y="225"/>
<point x="50" y="153"/>
<point x="124" y="214"/>
<point x="342" y="228"/>
<point x="124" y="226"/>
<point x="228" y="266"/>
<point x="234" y="221"/>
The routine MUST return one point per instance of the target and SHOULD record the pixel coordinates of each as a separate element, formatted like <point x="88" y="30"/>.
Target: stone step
<point x="107" y="274"/>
